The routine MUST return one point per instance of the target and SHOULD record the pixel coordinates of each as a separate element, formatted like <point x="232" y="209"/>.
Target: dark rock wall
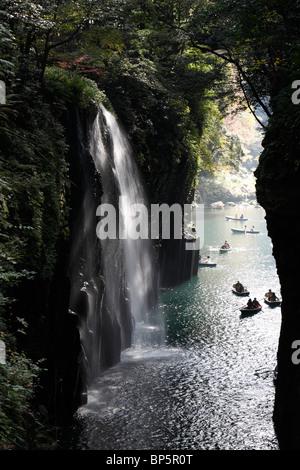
<point x="177" y="264"/>
<point x="278" y="191"/>
<point x="65" y="381"/>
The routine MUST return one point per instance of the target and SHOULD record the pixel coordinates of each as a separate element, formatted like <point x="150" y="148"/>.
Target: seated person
<point x="249" y="304"/>
<point x="256" y="303"/>
<point x="238" y="287"/>
<point x="271" y="296"/>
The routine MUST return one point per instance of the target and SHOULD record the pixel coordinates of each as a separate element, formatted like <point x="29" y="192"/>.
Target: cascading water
<point x="128" y="264"/>
<point x="113" y="280"/>
<point x="138" y="253"/>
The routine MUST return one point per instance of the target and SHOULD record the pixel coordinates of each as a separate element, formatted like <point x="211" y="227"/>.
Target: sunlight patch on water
<point x="144" y="354"/>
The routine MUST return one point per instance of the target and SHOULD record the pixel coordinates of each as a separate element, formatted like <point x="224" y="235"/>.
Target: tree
<point x="43" y="26"/>
<point x="258" y="37"/>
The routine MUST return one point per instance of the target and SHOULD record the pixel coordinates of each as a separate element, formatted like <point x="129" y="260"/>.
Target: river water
<point x="210" y="385"/>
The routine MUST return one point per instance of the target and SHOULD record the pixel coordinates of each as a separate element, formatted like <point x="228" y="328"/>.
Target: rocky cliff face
<point x="65" y="382"/>
<point x="278" y="191"/>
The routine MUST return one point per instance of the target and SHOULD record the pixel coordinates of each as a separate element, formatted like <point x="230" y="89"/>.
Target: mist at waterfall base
<point x="197" y="376"/>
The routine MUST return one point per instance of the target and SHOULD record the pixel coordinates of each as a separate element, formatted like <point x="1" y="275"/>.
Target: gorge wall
<point x="278" y="191"/>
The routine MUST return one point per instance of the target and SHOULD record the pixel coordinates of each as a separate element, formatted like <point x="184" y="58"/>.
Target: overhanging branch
<point x="242" y="77"/>
<point x="248" y="103"/>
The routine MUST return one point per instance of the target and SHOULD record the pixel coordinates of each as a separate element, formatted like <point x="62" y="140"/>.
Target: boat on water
<point x="272" y="303"/>
<point x="241" y="230"/>
<point x="251" y="308"/>
<point x="242" y="292"/>
<point x="224" y="250"/>
<point x="207" y="265"/>
<point x="241" y="219"/>
<point x="225" y="247"/>
<point x="250" y="311"/>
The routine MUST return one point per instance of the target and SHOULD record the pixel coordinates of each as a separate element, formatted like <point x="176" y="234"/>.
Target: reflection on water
<point x="211" y="387"/>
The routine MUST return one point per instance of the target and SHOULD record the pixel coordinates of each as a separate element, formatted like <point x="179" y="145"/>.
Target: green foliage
<point x="72" y="87"/>
<point x="31" y="184"/>
<point x="41" y="27"/>
<point x="144" y="63"/>
<point x="6" y="48"/>
<point x="20" y="428"/>
<point x="33" y="216"/>
<point x="259" y="37"/>
<point x="217" y="147"/>
<point x="160" y="89"/>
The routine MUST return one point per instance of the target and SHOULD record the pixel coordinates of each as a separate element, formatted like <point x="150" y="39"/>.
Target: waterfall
<point x="113" y="280"/>
<point x="128" y="264"/>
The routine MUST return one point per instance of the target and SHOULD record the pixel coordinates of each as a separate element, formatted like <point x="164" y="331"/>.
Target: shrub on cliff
<point x="20" y="427"/>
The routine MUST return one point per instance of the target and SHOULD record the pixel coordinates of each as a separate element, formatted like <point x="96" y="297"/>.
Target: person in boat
<point x="207" y="260"/>
<point x="236" y="216"/>
<point x="250" y="304"/>
<point x="238" y="286"/>
<point x="242" y="216"/>
<point x="226" y="245"/>
<point x="271" y="296"/>
<point x="256" y="303"/>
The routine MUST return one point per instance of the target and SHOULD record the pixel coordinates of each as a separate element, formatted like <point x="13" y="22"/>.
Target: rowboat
<point x="250" y="311"/>
<point x="242" y="219"/>
<point x="224" y="250"/>
<point x="244" y="292"/>
<point x="240" y="230"/>
<point x="272" y="303"/>
<point x="207" y="265"/>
